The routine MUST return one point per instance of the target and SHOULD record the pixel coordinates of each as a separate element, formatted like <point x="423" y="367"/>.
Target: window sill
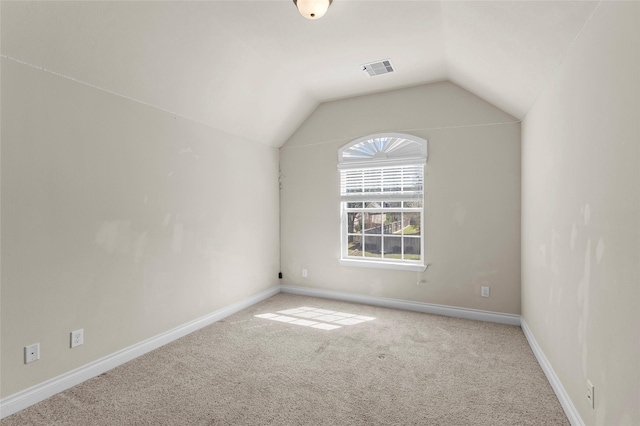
<point x="383" y="265"/>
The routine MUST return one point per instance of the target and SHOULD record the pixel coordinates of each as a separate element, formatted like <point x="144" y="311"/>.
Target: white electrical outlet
<point x="77" y="337"/>
<point x="31" y="353"/>
<point x="484" y="291"/>
<point x="590" y="394"/>
<point x="304" y="273"/>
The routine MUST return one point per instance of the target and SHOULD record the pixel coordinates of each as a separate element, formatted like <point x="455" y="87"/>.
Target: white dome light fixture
<point x="312" y="9"/>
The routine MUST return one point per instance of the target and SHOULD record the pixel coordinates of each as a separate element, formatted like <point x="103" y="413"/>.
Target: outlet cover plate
<point x="77" y="337"/>
<point x="484" y="291"/>
<point x="31" y="353"/>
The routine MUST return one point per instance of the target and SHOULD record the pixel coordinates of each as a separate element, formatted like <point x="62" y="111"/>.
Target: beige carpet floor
<point x="380" y="367"/>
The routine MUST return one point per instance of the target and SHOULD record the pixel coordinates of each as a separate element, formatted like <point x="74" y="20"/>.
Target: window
<point x="382" y="201"/>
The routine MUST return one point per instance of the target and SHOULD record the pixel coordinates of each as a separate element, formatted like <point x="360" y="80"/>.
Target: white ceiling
<point x="257" y="68"/>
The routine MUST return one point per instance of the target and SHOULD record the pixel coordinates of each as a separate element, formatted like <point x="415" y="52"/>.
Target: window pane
<point x="393" y="247"/>
<point x="392" y="223"/>
<point x="354" y="223"/>
<point x="354" y="205"/>
<point x="372" y="246"/>
<point x="373" y="205"/>
<point x="392" y="204"/>
<point x="373" y="223"/>
<point x="413" y="204"/>
<point x="412" y="248"/>
<point x="354" y="245"/>
<point x="411" y="224"/>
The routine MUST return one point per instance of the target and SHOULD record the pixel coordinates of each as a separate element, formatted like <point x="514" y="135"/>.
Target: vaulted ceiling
<point x="258" y="68"/>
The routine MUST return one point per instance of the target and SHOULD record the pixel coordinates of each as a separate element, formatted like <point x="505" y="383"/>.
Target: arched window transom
<point x="383" y="147"/>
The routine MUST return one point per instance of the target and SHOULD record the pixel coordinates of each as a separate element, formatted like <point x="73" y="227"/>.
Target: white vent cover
<point x="378" y="68"/>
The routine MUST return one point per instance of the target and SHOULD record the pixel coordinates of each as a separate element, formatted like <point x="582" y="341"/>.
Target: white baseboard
<point x="567" y="405"/>
<point x="429" y="308"/>
<point x="21" y="400"/>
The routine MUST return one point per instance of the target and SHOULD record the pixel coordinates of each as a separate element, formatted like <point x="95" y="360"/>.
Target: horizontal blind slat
<point x="403" y="181"/>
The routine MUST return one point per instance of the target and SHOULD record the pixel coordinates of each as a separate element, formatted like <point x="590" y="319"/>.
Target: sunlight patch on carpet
<point x="316" y="318"/>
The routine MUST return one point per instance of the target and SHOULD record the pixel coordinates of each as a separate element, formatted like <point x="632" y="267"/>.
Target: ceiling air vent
<point x="378" y="68"/>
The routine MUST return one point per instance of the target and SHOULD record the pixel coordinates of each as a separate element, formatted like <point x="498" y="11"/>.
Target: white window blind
<point x="397" y="182"/>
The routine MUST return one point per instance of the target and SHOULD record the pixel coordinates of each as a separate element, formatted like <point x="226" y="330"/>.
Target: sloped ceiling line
<point x="561" y="61"/>
<point x="120" y="95"/>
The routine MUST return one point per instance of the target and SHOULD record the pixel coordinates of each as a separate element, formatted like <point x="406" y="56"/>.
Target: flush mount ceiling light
<point x="312" y="9"/>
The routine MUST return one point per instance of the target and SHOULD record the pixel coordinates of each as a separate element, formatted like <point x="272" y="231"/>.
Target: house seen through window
<point x="382" y="201"/>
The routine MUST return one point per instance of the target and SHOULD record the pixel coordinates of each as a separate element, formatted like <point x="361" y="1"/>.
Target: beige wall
<point x="120" y="219"/>
<point x="581" y="218"/>
<point x="472" y="196"/>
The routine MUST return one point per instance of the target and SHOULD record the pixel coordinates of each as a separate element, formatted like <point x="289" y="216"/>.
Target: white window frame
<point x="390" y="152"/>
